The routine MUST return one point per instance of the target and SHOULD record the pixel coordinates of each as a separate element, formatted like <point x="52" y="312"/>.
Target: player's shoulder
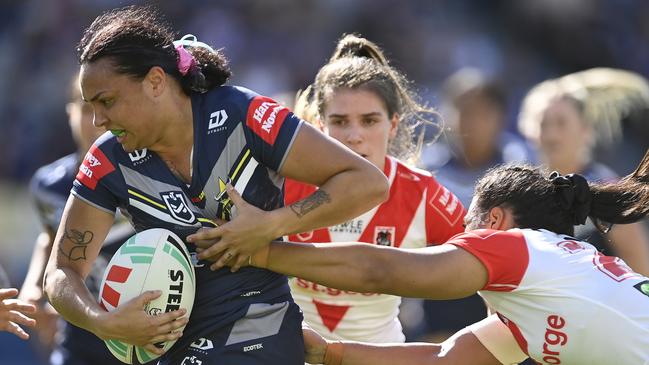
<point x="228" y="94"/>
<point x="491" y="235"/>
<point x="56" y="177"/>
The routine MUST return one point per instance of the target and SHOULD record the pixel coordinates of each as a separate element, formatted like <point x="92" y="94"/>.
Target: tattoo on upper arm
<point x="73" y="244"/>
<point x="311" y="202"/>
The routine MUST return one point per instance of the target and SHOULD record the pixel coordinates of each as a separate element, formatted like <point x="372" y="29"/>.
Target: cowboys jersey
<point x="239" y="137"/>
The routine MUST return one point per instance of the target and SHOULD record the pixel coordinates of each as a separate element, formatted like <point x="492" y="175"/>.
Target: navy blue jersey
<point x="239" y="137"/>
<point x="50" y="188"/>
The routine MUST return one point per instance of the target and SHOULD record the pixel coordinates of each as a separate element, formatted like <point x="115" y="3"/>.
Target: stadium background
<point x="276" y="46"/>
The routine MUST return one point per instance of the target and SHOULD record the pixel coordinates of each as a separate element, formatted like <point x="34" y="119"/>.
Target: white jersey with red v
<point x="419" y="212"/>
<point x="565" y="302"/>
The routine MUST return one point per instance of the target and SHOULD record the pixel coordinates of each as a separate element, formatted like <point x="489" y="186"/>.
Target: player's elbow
<point x="53" y="279"/>
<point x="50" y="281"/>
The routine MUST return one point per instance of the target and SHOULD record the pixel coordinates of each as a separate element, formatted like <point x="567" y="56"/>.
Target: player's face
<point x="359" y="119"/>
<point x="564" y="135"/>
<point x="121" y="104"/>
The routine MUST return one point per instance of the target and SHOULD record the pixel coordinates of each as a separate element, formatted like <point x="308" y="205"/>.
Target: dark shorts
<point x="268" y="334"/>
<point x="80" y="347"/>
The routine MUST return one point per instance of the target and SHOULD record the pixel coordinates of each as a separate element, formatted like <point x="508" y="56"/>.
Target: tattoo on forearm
<point x="308" y="204"/>
<point x="73" y="244"/>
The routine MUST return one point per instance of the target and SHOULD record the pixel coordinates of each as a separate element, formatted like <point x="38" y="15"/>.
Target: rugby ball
<point x="155" y="259"/>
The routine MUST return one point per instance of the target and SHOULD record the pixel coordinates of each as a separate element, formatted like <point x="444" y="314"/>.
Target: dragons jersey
<point x="419" y="212"/>
<point x="50" y="188"/>
<point x="565" y="302"/>
<point x="239" y="137"/>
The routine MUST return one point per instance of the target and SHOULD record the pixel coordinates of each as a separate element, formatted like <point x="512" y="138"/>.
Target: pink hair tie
<point x="185" y="60"/>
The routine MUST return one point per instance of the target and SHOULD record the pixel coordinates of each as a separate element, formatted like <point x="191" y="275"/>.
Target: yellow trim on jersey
<point x="147" y="199"/>
<point x="243" y="159"/>
<point x="205" y="220"/>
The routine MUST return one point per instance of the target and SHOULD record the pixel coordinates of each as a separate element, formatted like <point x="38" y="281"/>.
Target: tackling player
<point x="562" y="301"/>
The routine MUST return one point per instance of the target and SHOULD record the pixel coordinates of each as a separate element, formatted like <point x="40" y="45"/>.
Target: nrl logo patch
<point x="177" y="206"/>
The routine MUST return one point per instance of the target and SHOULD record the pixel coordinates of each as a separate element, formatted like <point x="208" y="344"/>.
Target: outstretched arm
<point x="439" y="272"/>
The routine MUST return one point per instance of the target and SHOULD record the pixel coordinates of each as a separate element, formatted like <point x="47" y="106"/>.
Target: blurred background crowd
<point x="275" y="47"/>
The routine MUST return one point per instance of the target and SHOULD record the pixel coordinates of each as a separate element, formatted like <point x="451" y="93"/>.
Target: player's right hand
<point x="12" y="313"/>
<point x="129" y="323"/>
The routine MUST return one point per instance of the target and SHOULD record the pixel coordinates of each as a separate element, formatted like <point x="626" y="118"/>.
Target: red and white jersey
<point x="565" y="302"/>
<point x="419" y="212"/>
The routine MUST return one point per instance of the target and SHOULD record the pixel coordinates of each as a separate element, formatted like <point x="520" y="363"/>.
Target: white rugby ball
<point x="155" y="259"/>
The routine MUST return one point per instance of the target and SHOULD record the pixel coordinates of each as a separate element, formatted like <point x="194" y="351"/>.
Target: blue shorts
<point x="80" y="347"/>
<point x="267" y="334"/>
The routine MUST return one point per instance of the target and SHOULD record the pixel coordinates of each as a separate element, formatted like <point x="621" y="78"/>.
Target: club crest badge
<point x="384" y="236"/>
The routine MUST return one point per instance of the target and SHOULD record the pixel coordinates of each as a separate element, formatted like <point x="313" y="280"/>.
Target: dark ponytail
<point x="136" y="38"/>
<point x="557" y="203"/>
<point x="625" y="201"/>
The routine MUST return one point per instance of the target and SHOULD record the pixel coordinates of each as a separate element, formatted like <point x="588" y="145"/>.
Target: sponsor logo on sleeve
<point x="265" y="118"/>
<point x="94" y="167"/>
<point x="447" y="204"/>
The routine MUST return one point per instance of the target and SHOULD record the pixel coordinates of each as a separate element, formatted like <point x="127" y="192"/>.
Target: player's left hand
<point x="315" y="345"/>
<point x="233" y="242"/>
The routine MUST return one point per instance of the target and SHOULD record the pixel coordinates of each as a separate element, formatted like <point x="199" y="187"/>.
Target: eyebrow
<point x="94" y="97"/>
<point x="372" y="114"/>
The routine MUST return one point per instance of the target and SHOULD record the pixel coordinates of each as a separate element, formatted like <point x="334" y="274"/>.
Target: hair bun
<point x="573" y="194"/>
